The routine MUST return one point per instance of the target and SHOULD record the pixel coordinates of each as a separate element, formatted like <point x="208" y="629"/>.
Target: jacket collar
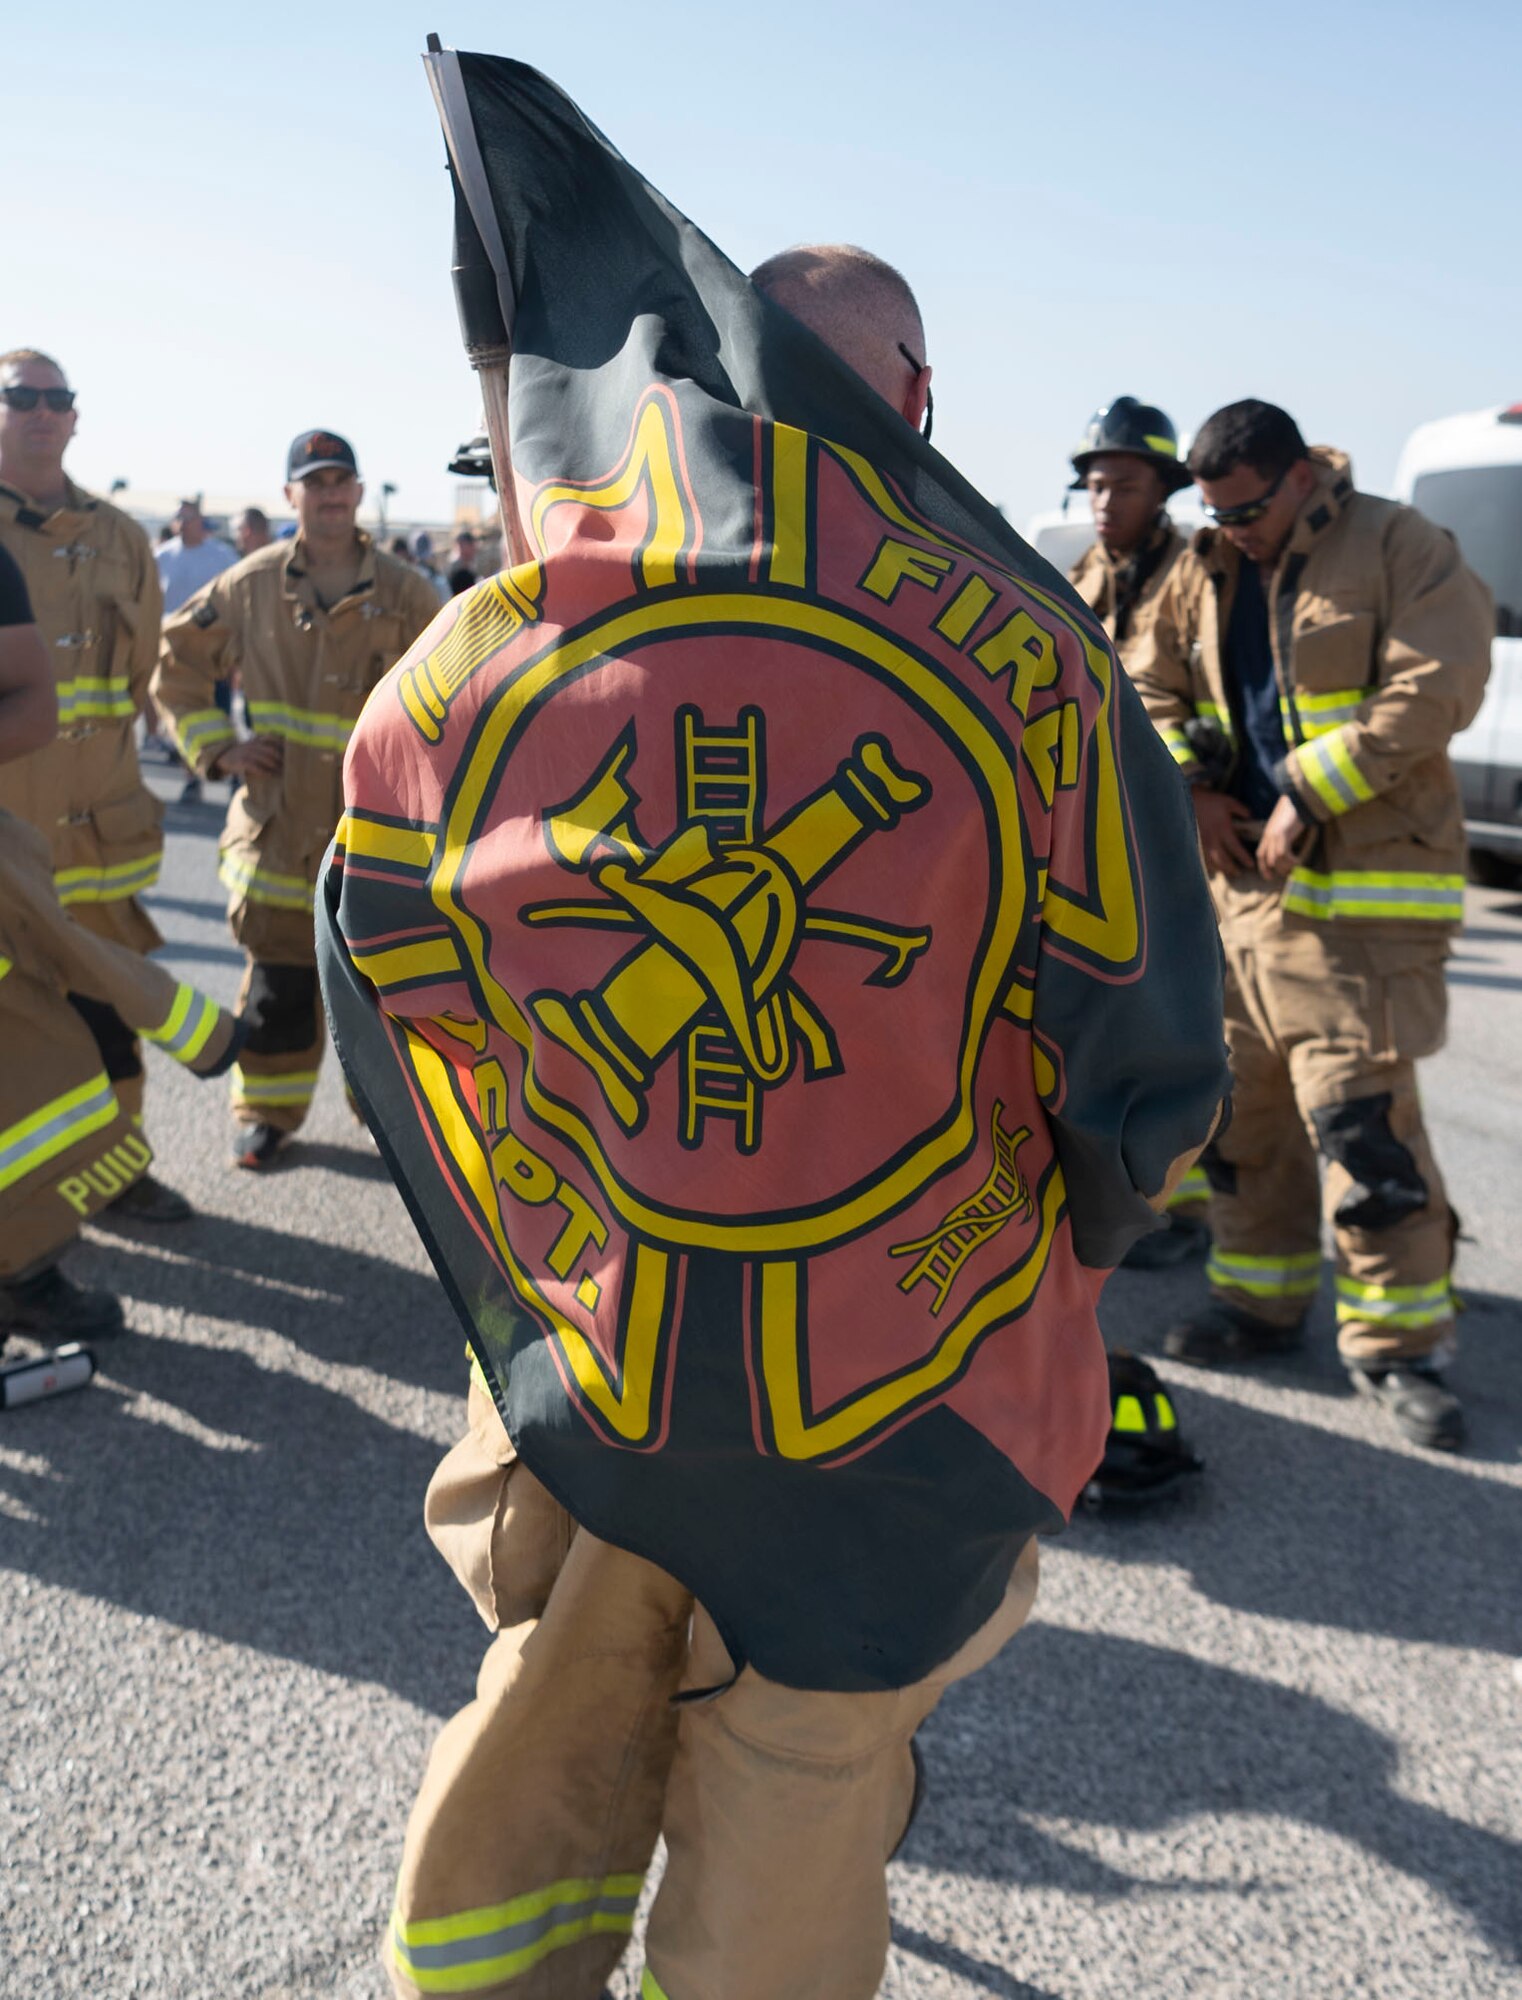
<point x="1331" y="493"/>
<point x="62" y="522"/>
<point x="296" y="573"/>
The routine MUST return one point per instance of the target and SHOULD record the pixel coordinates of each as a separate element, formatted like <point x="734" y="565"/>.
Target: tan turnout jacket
<point x="67" y="1144"/>
<point x="306" y="674"/>
<point x="95" y="595"/>
<point x="1381" y="644"/>
<point x="1124" y="596"/>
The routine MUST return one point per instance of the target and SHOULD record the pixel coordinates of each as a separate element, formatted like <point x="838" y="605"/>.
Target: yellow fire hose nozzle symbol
<point x="720" y="930"/>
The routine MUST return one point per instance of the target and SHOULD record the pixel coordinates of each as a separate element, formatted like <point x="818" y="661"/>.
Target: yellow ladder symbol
<point x="974" y="1222"/>
<point x="721" y="783"/>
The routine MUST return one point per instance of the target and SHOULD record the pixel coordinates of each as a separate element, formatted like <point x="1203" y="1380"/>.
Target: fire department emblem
<point x="718" y="910"/>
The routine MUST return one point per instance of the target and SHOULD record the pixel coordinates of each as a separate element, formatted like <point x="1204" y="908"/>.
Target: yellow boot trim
<point x="482" y="1948"/>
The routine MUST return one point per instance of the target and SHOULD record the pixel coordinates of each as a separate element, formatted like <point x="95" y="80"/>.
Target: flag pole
<point x="482" y="282"/>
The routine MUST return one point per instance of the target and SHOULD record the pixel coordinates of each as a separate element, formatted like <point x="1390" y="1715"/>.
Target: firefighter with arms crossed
<point x="1336" y="642"/>
<point x="95" y="594"/>
<point x="309" y="626"/>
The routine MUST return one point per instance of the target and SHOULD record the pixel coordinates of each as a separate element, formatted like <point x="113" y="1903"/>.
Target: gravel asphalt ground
<point x="1263" y="1741"/>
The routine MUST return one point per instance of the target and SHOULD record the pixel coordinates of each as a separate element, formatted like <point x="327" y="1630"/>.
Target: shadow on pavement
<point x="1119" y="1734"/>
<point x="976" y="1971"/>
<point x="209" y="911"/>
<point x="1292" y="1521"/>
<point x="360" y="1162"/>
<point x="256" y="1507"/>
<point x="334" y="1303"/>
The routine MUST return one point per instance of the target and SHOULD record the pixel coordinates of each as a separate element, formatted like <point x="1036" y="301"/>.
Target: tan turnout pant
<point x="1325" y="1026"/>
<point x="607" y="1712"/>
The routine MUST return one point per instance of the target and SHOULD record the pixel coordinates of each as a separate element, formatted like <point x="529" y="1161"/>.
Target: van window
<point x="1482" y="505"/>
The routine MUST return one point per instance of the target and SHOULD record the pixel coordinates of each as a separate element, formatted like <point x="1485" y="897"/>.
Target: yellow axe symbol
<point x="721" y="924"/>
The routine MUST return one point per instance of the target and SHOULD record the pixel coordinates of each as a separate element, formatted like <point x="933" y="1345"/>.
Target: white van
<point x="1466" y="474"/>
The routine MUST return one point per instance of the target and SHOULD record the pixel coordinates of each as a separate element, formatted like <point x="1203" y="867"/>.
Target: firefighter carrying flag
<point x="768" y="940"/>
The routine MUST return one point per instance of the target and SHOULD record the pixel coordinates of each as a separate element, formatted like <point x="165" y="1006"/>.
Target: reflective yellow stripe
<point x="1128" y="1415"/>
<point x="95" y="696"/>
<point x="1404" y="896"/>
<point x="482" y="1948"/>
<point x="290" y="1087"/>
<point x="650" y="1987"/>
<point x="1177" y="742"/>
<point x="1327" y="767"/>
<point x="301" y="725"/>
<point x="107" y="885"/>
<point x="1167" y="1416"/>
<point x="1412" y="1306"/>
<point x="196" y="731"/>
<point x="264" y="885"/>
<point x="192" y="1020"/>
<point x="1320" y="713"/>
<point x="1209" y="711"/>
<point x="59" y="1124"/>
<point x="5" y="966"/>
<point x="411" y="846"/>
<point x="1264" y="1277"/>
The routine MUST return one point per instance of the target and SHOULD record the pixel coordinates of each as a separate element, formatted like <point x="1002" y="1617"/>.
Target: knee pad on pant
<point x="280" y="1011"/>
<point x="1386" y="1184"/>
<point x="117" y="1043"/>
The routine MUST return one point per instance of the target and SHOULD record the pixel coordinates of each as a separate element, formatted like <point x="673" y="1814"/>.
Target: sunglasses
<point x="1250" y="510"/>
<point x="18" y="398"/>
<point x="919" y="369"/>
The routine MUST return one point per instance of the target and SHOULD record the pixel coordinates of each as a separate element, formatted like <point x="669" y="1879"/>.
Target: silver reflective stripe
<point x="189" y="1028"/>
<point x="36" y="1141"/>
<point x="509" y="1939"/>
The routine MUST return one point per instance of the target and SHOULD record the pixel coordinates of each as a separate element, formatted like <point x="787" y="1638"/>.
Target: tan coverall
<point x="608" y="1712"/>
<point x="1334" y="989"/>
<point x="1124" y="598"/>
<point x="96" y="599"/>
<point x="306" y="673"/>
<point x="69" y="1144"/>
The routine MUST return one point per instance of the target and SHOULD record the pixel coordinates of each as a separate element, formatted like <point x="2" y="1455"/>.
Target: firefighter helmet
<point x="1145" y="1454"/>
<point x="1139" y="429"/>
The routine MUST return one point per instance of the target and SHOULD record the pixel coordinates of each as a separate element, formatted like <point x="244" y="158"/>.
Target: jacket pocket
<point x="133" y="821"/>
<point x="1336" y="655"/>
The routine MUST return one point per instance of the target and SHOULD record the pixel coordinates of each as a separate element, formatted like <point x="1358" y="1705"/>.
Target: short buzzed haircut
<point x="1247" y="433"/>
<point x="857" y="304"/>
<point x="256" y="518"/>
<point x="19" y="355"/>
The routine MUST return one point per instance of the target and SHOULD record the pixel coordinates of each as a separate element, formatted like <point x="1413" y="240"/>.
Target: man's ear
<point x="916" y="396"/>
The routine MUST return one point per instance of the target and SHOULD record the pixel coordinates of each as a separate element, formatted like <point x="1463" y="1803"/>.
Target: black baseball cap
<point x="314" y="451"/>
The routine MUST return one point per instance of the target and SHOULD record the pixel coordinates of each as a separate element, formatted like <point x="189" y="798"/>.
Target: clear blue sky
<point x="233" y="223"/>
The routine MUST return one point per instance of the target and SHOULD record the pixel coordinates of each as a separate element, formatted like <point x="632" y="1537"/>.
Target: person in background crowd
<point x="310" y="626"/>
<point x="252" y="531"/>
<point x="191" y="558"/>
<point x="1128" y="463"/>
<point x="422" y="557"/>
<point x="463" y="570"/>
<point x="1312" y="654"/>
<point x="94" y="589"/>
